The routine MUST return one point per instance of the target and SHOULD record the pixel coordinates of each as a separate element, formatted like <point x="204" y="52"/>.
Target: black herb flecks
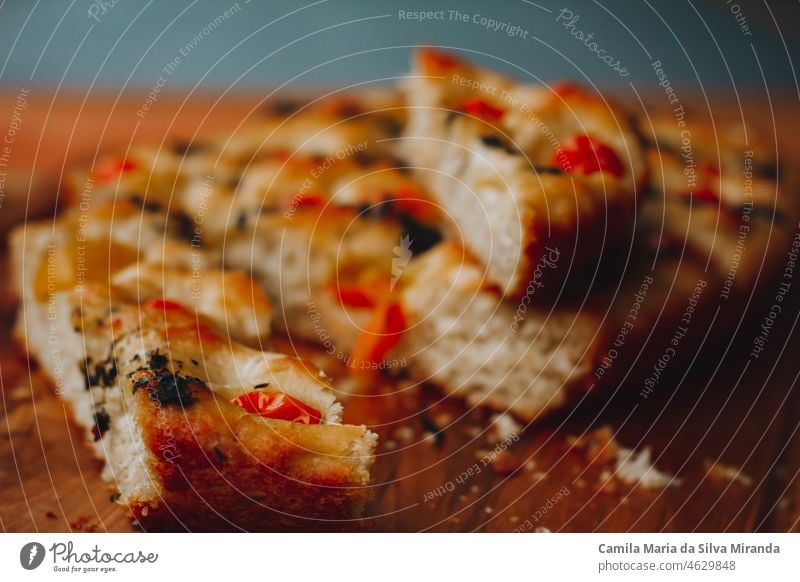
<point x="165" y="386"/>
<point x="183" y="228"/>
<point x="429" y="426"/>
<point x="156" y="360"/>
<point x="241" y="220"/>
<point x="264" y="385"/>
<point x="189" y="148"/>
<point x="146" y="205"/>
<point x="548" y="170"/>
<point x="221" y="457"/>
<point x="102" y="422"/>
<point x="101" y="374"/>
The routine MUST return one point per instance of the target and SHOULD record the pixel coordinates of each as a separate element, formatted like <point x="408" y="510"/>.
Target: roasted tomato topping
<point x="381" y="334"/>
<point x="439" y="61"/>
<point x="482" y="109"/>
<point x="111" y="169"/>
<point x="166" y="305"/>
<point x="278" y="406"/>
<point x="355" y="296"/>
<point x="588" y="156"/>
<point x="307" y="200"/>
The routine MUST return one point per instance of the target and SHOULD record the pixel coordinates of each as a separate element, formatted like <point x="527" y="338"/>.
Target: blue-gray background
<point x="335" y="41"/>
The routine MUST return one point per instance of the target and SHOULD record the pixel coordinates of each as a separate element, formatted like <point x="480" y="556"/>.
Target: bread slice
<point x="462" y="336"/>
<point x="525" y="172"/>
<point x="152" y="372"/>
<point x="726" y="198"/>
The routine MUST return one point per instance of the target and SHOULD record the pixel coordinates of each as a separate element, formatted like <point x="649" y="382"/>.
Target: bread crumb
<point x="20" y="393"/>
<point x="599" y="445"/>
<point x="637" y="468"/>
<point x="541" y="529"/>
<point x="474" y="489"/>
<point x="481" y="454"/>
<point x="504" y="463"/>
<point x="504" y="427"/>
<point x="721" y="472"/>
<point x="513" y="519"/>
<point x="473" y="431"/>
<point x="390" y="445"/>
<point x="430" y="438"/>
<point x="601" y="448"/>
<point x="488" y="509"/>
<point x="404" y="434"/>
<point x="443" y="418"/>
<point x="530" y="465"/>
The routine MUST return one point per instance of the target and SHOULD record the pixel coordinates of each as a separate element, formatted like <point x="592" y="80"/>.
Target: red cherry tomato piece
<point x="355" y="296"/>
<point x="439" y="61"/>
<point x="381" y="334"/>
<point x="480" y="108"/>
<point x="111" y="169"/>
<point x="588" y="156"/>
<point x="278" y="406"/>
<point x="704" y="194"/>
<point x="309" y="200"/>
<point x="166" y="305"/>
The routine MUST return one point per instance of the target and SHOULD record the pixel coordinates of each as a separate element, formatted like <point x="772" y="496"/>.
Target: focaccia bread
<point x="723" y="196"/>
<point x="196" y="430"/>
<point x="523" y="170"/>
<point x="305" y="200"/>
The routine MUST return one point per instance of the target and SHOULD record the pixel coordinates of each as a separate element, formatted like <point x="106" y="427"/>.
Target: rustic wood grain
<point x="738" y="413"/>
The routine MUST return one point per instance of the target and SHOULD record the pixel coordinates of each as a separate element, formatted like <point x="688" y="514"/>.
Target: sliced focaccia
<point x="524" y="171"/>
<point x="306" y="200"/>
<point x="725" y="199"/>
<point x="143" y="254"/>
<point x="202" y="433"/>
<point x="197" y="431"/>
<point x="461" y="335"/>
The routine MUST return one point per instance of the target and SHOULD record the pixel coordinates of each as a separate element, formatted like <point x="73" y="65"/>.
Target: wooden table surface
<point x="736" y="413"/>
